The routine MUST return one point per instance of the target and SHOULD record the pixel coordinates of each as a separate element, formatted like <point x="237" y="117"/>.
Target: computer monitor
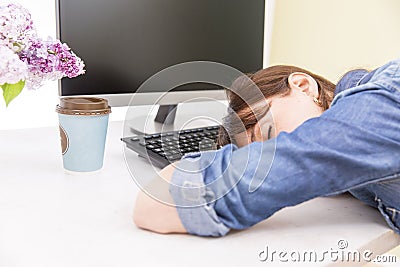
<point x="124" y="42"/>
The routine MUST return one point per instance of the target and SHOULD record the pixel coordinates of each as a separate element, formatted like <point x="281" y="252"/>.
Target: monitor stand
<point x="166" y="114"/>
<point x="162" y="122"/>
<point x="165" y="119"/>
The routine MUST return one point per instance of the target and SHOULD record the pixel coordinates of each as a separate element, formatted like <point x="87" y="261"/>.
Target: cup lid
<point x="83" y="106"/>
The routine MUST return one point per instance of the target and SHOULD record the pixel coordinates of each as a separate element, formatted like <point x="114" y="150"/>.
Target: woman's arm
<point x="153" y="215"/>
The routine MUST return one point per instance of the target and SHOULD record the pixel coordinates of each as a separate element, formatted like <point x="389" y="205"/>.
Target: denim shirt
<point x="353" y="146"/>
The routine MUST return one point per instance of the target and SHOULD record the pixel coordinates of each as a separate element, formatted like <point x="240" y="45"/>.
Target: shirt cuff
<point x="194" y="201"/>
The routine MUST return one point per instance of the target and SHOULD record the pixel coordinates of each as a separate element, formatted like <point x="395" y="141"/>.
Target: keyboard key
<point x="207" y="146"/>
<point x="174" y="157"/>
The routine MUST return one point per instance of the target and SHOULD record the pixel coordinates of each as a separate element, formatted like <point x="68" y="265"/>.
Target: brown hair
<point x="272" y="81"/>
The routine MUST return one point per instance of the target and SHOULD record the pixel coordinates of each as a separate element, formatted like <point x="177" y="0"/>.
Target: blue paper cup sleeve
<point x="83" y="141"/>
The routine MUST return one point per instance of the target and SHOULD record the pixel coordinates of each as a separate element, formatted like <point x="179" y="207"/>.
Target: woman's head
<point x="291" y="95"/>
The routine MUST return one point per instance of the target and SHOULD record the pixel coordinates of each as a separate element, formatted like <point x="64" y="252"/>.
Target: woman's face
<point x="286" y="113"/>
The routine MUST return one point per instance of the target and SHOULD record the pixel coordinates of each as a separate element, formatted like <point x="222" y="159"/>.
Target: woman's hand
<point x="153" y="215"/>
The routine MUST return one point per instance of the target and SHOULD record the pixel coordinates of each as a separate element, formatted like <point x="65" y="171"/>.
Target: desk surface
<point x="49" y="218"/>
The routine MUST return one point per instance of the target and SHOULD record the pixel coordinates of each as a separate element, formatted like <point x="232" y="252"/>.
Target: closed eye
<point x="269" y="132"/>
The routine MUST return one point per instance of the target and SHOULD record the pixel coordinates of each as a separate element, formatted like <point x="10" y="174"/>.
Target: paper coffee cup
<point x="83" y="130"/>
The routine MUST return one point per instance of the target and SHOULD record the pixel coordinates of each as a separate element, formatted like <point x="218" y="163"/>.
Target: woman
<point x="316" y="145"/>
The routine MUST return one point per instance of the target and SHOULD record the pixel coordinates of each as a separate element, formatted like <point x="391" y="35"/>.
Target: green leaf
<point x="11" y="91"/>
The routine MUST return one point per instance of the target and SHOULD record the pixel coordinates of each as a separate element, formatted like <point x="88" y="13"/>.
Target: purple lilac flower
<point x="49" y="60"/>
<point x="68" y="63"/>
<point x="16" y="27"/>
<point x="26" y="57"/>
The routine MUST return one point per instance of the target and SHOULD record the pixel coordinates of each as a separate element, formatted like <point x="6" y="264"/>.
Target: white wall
<point x="34" y="108"/>
<point x="331" y="37"/>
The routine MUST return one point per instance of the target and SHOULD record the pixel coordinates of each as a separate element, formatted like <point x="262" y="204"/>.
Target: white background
<point x="34" y="108"/>
<point x="37" y="108"/>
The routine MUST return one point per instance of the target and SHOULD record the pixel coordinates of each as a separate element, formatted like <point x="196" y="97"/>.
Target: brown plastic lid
<point x="87" y="106"/>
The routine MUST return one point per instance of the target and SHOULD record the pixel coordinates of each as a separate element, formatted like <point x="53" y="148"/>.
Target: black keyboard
<point x="162" y="149"/>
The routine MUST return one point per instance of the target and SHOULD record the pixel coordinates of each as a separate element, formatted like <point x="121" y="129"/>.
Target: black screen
<point x="124" y="42"/>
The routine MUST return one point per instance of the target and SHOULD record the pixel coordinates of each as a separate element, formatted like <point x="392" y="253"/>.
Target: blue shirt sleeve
<point x="352" y="144"/>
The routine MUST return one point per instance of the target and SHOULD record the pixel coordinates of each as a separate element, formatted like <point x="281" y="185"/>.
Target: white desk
<point x="49" y="218"/>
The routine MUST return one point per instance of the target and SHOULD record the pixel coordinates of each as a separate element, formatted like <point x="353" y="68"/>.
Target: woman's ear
<point x="303" y="83"/>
